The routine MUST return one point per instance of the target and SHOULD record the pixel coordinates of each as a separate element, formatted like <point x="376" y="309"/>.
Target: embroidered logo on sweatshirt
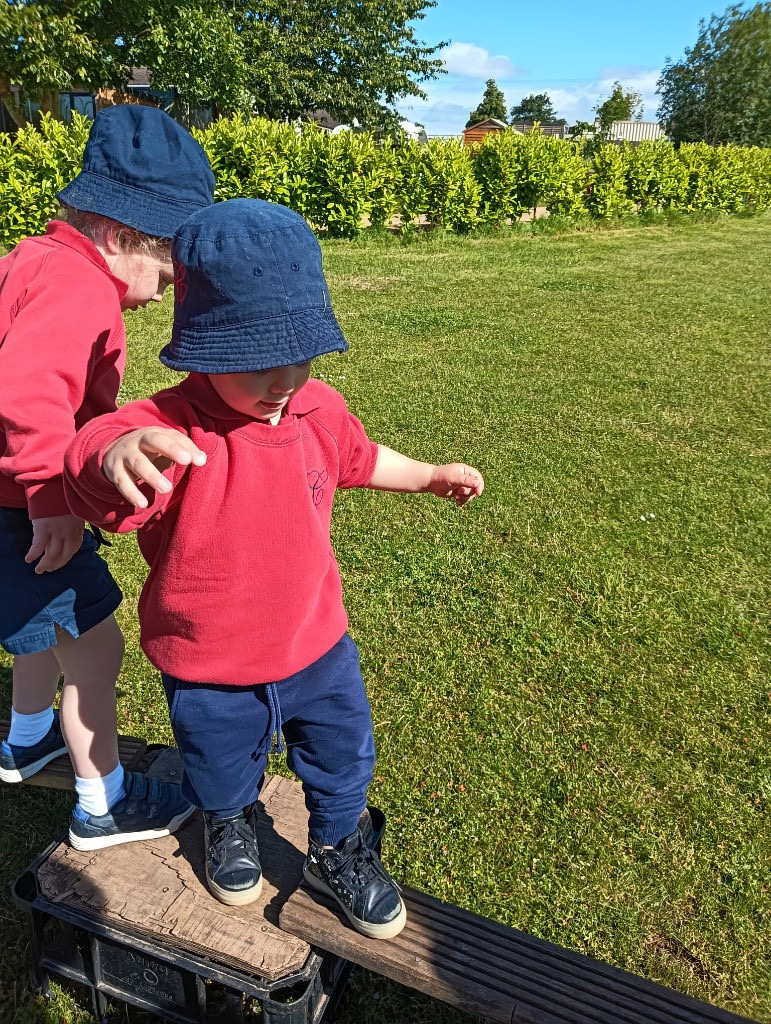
<point x="316" y="480"/>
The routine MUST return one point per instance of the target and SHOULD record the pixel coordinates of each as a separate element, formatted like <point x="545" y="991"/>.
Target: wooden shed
<point x="476" y="132"/>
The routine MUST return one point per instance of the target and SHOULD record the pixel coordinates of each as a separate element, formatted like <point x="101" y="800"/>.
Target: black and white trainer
<point x="233" y="871"/>
<point x="19" y="763"/>
<point x="150" y="809"/>
<point x="352" y="874"/>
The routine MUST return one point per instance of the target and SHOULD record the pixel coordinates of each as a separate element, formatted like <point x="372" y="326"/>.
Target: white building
<point x="636" y="131"/>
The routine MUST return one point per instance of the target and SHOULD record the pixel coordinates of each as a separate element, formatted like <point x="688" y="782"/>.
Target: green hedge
<point x="34" y="166"/>
<point x="342" y="183"/>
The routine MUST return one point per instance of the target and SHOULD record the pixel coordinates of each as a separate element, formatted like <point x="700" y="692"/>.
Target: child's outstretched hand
<point x="457" y="481"/>
<point x="142" y="455"/>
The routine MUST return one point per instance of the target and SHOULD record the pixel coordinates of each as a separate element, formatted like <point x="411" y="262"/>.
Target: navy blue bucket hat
<point x="249" y="291"/>
<point x="142" y="169"/>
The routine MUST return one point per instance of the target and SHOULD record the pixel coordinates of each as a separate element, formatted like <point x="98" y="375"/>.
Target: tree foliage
<point x="493" y="105"/>
<point x="47" y="46"/>
<point x="279" y="58"/>
<point x="621" y="105"/>
<point x="720" y="91"/>
<point x="354" y="59"/>
<point x="536" y="107"/>
<point x="195" y="49"/>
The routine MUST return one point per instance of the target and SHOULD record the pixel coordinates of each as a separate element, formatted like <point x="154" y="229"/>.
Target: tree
<point x="46" y="48"/>
<point x="195" y="48"/>
<point x="278" y="58"/>
<point x="536" y="107"/>
<point x="583" y="130"/>
<point x="621" y="105"/>
<point x="493" y="105"/>
<point x="354" y="59"/>
<point x="720" y="91"/>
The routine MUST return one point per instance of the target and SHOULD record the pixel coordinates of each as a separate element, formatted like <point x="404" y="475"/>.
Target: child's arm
<point x="53" y="355"/>
<point x="114" y="468"/>
<point x="397" y="472"/>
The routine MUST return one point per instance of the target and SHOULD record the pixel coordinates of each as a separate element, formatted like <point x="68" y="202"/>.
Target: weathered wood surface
<point x="58" y="774"/>
<point x="158" y="889"/>
<point x="494" y="971"/>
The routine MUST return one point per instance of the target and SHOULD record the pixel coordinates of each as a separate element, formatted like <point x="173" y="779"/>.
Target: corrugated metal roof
<point x="637" y="131"/>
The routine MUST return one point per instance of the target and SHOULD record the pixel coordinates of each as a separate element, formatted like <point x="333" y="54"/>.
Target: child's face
<point x="261" y="394"/>
<point x="146" y="277"/>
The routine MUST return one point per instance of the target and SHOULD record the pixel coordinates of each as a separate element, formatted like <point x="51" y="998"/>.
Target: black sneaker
<point x="351" y="873"/>
<point x="18" y="763"/>
<point x="150" y="809"/>
<point x="233" y="871"/>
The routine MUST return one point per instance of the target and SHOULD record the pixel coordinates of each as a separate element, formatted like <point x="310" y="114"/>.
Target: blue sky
<point x="573" y="51"/>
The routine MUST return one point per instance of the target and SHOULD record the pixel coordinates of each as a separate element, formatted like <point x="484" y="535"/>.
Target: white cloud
<point x="469" y="61"/>
<point x="640" y="79"/>
<point x="439" y="118"/>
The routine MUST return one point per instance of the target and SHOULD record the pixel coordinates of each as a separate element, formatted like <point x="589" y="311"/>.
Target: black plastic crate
<point x="182" y="987"/>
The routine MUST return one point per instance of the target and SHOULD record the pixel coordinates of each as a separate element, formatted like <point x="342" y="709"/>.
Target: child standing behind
<point x="229" y="478"/>
<point x="62" y="353"/>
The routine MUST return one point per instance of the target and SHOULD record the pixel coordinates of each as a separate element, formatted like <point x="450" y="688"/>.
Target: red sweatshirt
<point x="243" y="585"/>
<point x="62" y="353"/>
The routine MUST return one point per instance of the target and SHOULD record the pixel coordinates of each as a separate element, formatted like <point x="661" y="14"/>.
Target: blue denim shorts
<point x="76" y="597"/>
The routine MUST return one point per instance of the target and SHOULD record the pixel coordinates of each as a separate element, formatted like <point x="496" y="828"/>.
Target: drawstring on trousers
<point x="99" y="537"/>
<point x="275" y="723"/>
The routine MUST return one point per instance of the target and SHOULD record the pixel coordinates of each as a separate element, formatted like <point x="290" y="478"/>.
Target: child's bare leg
<point x="90" y="664"/>
<point x="35" y="679"/>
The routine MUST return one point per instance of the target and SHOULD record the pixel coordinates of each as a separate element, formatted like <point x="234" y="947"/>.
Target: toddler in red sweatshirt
<point x="229" y="477"/>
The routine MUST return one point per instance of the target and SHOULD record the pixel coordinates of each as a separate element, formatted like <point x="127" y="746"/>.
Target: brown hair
<point x="129" y="240"/>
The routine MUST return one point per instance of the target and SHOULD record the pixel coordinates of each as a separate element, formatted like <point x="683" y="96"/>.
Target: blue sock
<point x="27" y="730"/>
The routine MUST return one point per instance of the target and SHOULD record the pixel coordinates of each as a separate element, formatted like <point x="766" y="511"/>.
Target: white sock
<point x="26" y="730"/>
<point x="97" y="796"/>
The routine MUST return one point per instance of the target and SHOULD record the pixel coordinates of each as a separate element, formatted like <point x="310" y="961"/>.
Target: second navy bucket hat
<point x="143" y="169"/>
<point x="249" y="291"/>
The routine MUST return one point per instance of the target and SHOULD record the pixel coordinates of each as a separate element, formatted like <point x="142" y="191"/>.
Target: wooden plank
<point x="157" y="889"/>
<point x="501" y="973"/>
<point x="475" y="945"/>
<point x="58" y="774"/>
<point x="487" y="945"/>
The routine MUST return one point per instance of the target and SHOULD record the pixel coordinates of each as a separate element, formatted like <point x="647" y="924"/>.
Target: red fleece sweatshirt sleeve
<point x="358" y="454"/>
<point x="47" y="363"/>
<point x="88" y="491"/>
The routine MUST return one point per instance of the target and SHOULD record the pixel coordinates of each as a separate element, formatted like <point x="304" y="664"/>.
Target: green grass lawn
<point x="570" y="677"/>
